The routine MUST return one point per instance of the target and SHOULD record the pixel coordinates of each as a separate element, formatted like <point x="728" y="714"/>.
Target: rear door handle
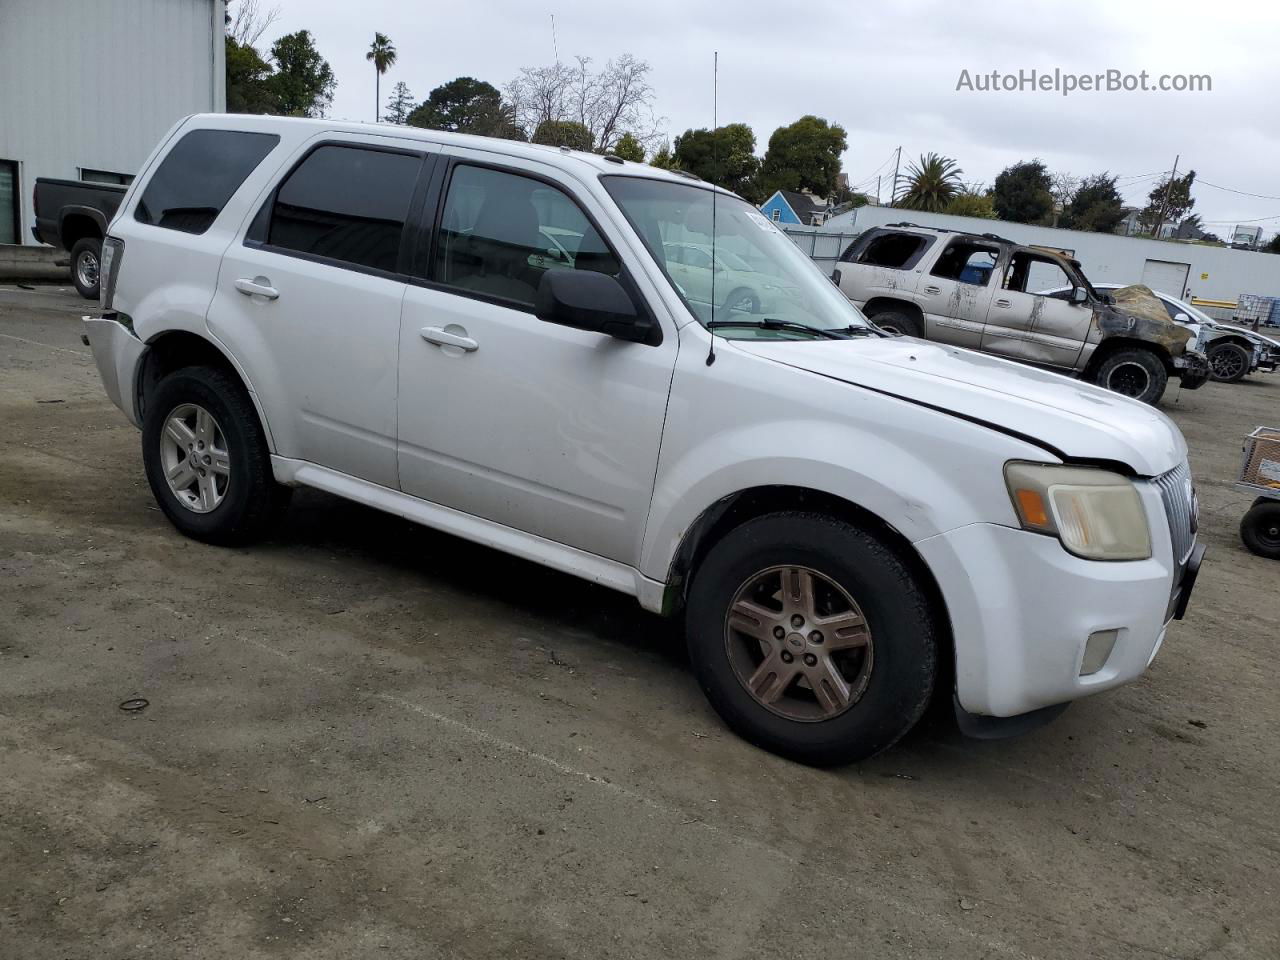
<point x="445" y="338"/>
<point x="932" y="289"/>
<point x="257" y="287"/>
<point x="1003" y="303"/>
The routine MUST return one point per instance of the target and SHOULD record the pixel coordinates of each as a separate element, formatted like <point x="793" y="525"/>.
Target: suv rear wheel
<point x="811" y="638"/>
<point x="899" y="322"/>
<point x="86" y="262"/>
<point x="1135" y="373"/>
<point x="206" y="457"/>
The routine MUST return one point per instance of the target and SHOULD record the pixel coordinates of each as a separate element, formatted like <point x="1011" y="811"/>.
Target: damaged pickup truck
<point x="977" y="291"/>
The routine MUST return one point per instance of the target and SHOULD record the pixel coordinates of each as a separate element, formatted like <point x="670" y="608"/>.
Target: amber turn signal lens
<point x="1033" y="509"/>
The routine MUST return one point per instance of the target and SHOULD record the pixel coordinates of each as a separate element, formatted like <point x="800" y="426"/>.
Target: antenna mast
<point x="715" y="167"/>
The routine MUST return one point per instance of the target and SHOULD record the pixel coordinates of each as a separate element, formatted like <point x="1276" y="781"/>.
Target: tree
<point x="607" y="102"/>
<point x="467" y="105"/>
<point x="1023" y="193"/>
<point x="931" y="183"/>
<point x="1096" y="206"/>
<point x="803" y="155"/>
<point x="1169" y="200"/>
<point x="399" y="104"/>
<point x="249" y="22"/>
<point x="382" y="54"/>
<point x="662" y="158"/>
<point x="971" y="203"/>
<point x="1273" y="245"/>
<point x="725" y="156"/>
<point x="563" y="133"/>
<point x="1063" y="186"/>
<point x="629" y="148"/>
<point x="248" y="80"/>
<point x="303" y="83"/>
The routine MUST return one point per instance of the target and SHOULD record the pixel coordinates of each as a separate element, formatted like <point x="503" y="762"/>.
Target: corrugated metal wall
<point x="94" y="84"/>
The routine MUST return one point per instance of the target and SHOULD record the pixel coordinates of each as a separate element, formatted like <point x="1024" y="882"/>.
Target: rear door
<point x="956" y="292"/>
<point x="1034" y="327"/>
<point x="309" y="301"/>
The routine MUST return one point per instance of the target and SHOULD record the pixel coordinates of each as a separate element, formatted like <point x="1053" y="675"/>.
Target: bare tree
<point x="609" y="102"/>
<point x="250" y="22"/>
<point x="1063" y="186"/>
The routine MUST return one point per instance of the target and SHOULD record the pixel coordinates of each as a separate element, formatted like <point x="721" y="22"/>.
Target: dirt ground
<point x="366" y="739"/>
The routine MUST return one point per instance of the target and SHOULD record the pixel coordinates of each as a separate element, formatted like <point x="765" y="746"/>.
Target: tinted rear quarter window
<point x="347" y="204"/>
<point x="198" y="176"/>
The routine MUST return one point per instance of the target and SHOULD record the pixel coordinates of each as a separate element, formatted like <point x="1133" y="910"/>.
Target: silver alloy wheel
<point x="194" y="457"/>
<point x="798" y="643"/>
<point x="87" y="268"/>
<point x="1129" y="378"/>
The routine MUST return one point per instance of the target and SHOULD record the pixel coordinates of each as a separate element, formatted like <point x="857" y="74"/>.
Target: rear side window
<point x="198" y="176"/>
<point x="967" y="262"/>
<point x="897" y="250"/>
<point x="347" y="204"/>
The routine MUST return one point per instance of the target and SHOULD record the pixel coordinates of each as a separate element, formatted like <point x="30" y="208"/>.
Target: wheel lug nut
<point x="815" y="637"/>
<point x="810" y="659"/>
<point x="779" y="633"/>
<point x="787" y="657"/>
<point x="797" y="621"/>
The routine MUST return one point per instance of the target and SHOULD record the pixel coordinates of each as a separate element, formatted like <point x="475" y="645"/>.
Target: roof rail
<point x="686" y="174"/>
<point x="964" y="233"/>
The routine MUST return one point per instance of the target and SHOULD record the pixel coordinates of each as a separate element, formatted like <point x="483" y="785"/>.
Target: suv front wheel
<point x="811" y="638"/>
<point x="206" y="457"/>
<point x="1135" y="373"/>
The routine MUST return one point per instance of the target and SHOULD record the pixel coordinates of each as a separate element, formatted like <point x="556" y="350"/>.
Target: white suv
<point x="486" y="337"/>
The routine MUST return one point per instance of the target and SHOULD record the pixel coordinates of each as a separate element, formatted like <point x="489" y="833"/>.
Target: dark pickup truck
<point x="74" y="215"/>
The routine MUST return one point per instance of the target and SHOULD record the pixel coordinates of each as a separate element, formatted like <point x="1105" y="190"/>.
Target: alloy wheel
<point x="1227" y="364"/>
<point x="195" y="459"/>
<point x="798" y="643"/>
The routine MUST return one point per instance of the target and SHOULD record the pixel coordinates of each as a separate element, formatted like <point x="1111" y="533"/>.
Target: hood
<point x="1075" y="419"/>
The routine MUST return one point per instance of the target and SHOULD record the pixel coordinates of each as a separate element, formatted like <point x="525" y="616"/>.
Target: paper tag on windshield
<point x="760" y="221"/>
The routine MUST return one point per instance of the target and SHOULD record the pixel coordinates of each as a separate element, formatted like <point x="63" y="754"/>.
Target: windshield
<point x="757" y="273"/>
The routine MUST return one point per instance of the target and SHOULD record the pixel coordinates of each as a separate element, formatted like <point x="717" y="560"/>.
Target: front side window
<point x="1029" y="273"/>
<point x="198" y="176"/>
<point x="347" y="204"/>
<point x="500" y="232"/>
<point x="758" y="279"/>
<point x="967" y="262"/>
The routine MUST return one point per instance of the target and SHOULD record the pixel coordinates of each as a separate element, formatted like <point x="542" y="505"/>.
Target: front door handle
<point x="447" y="338"/>
<point x="257" y="287"/>
<point x="1004" y="303"/>
<point x="932" y="289"/>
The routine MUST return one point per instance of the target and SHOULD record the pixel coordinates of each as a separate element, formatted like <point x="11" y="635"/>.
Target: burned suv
<point x="980" y="291"/>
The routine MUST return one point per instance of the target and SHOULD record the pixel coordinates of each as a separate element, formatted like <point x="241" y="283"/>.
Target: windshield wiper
<point x="859" y="331"/>
<point x="769" y="323"/>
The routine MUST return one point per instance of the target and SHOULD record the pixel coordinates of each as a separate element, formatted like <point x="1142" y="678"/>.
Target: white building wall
<point x="93" y="84"/>
<point x="1213" y="273"/>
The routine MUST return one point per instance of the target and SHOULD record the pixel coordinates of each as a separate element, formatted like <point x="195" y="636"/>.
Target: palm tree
<point x="383" y="55"/>
<point x="931" y="183"/>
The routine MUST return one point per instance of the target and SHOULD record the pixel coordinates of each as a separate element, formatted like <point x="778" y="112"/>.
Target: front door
<point x="956" y="292"/>
<point x="1024" y="324"/>
<point x="310" y="304"/>
<point x="543" y="428"/>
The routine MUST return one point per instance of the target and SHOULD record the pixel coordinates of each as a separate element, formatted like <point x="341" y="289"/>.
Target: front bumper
<point x="1193" y="369"/>
<point x="118" y="354"/>
<point x="1022" y="610"/>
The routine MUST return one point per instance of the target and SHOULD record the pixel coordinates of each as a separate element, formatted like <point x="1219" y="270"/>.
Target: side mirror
<point x="591" y="301"/>
<point x="1181" y="318"/>
<point x="1079" y="295"/>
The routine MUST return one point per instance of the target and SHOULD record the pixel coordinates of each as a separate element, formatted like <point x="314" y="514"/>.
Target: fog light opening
<point x="1097" y="650"/>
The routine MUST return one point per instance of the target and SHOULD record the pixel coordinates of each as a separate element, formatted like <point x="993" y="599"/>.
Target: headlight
<point x="1096" y="514"/>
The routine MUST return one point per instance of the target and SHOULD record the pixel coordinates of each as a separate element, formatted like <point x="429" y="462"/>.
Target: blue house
<point x="797" y="209"/>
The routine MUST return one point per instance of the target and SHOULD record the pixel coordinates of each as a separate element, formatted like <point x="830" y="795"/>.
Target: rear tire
<point x="1260" y="529"/>
<point x="862" y="629"/>
<point x="1134" y="373"/>
<point x="86" y="263"/>
<point x="899" y="322"/>
<point x="1229" y="362"/>
<point x="207" y="460"/>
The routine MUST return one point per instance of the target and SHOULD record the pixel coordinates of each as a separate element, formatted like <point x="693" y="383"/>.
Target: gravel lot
<point x="366" y="739"/>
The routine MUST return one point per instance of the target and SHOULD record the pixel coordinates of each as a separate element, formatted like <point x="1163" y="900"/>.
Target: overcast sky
<point x="886" y="71"/>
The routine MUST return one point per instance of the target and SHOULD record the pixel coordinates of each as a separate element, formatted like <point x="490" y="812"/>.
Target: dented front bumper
<point x="118" y="354"/>
<point x="1193" y="369"/>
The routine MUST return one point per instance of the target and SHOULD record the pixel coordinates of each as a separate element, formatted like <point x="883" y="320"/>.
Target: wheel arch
<point x="877" y="305"/>
<point x="1113" y="345"/>
<point x="174" y="349"/>
<point x="77" y="223"/>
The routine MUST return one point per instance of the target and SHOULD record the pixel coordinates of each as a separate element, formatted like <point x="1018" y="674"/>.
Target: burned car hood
<point x="1078" y="420"/>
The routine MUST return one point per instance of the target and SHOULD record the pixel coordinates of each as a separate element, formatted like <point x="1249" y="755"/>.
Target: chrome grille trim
<point x="1175" y="491"/>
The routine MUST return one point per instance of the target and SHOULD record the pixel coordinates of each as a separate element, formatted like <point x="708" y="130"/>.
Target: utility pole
<point x="877" y="190"/>
<point x="1164" y="204"/>
<point x="893" y="191"/>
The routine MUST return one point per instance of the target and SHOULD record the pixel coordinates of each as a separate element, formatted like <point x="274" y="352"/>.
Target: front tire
<point x="811" y="638"/>
<point x="86" y="263"/>
<point x="206" y="458"/>
<point x="1229" y="362"/>
<point x="898" y="322"/>
<point x="1134" y="373"/>
<point x="1260" y="529"/>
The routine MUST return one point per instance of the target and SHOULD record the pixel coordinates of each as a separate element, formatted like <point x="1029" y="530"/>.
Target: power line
<point x="1243" y="193"/>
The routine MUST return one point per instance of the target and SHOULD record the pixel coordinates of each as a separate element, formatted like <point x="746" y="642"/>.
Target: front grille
<point x="1179" y="508"/>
